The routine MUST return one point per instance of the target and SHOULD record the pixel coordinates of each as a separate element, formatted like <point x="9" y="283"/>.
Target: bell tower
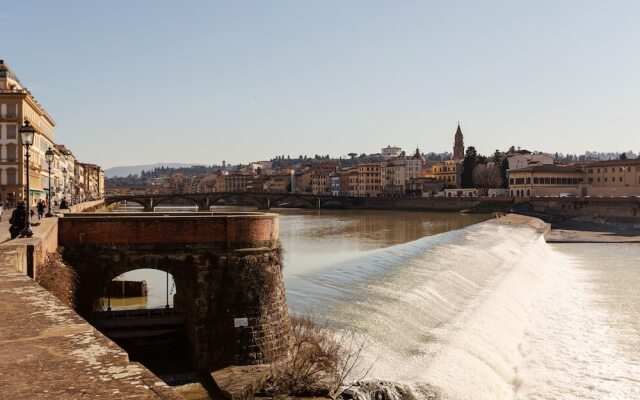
<point x="458" y="145"/>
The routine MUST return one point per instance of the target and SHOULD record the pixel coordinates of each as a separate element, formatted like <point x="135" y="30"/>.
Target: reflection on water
<point x="315" y="239"/>
<point x="160" y="290"/>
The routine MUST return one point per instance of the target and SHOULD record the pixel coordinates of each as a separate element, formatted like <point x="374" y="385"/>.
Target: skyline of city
<point x="245" y="82"/>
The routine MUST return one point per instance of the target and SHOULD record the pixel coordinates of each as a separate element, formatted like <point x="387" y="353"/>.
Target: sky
<point x="137" y="82"/>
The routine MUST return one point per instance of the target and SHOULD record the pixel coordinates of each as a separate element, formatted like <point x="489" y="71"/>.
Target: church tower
<point x="458" y="145"/>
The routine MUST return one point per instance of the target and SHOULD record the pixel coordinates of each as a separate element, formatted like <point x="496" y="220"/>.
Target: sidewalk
<point x="4" y="224"/>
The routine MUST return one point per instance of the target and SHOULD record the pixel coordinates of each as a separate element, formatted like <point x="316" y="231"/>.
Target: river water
<point x="451" y="310"/>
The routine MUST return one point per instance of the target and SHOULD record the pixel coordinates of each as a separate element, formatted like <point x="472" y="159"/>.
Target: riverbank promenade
<point x="48" y="352"/>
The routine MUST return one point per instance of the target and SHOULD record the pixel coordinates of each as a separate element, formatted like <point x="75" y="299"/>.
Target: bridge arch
<point x="162" y="200"/>
<point x="297" y="200"/>
<point x="247" y="197"/>
<point x="111" y="200"/>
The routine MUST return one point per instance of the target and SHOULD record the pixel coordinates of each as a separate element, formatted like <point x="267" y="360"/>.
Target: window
<point x="11" y="131"/>
<point x="590" y="180"/>
<point x="11" y="176"/>
<point x="620" y="179"/>
<point x="12" y="152"/>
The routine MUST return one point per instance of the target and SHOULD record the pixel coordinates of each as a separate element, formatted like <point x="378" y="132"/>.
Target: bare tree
<point x="487" y="176"/>
<point x="320" y="361"/>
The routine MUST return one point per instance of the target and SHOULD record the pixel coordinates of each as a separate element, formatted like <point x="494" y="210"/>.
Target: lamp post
<point x="48" y="155"/>
<point x="64" y="183"/>
<point x="27" y="134"/>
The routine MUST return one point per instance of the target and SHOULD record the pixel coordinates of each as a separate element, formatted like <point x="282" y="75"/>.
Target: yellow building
<point x="613" y="177"/>
<point x="16" y="106"/>
<point x="448" y="172"/>
<point x="547" y="180"/>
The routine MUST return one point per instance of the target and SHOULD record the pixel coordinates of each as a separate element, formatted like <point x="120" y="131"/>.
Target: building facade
<point x="547" y="180"/>
<point x="16" y="106"/>
<point x="613" y="177"/>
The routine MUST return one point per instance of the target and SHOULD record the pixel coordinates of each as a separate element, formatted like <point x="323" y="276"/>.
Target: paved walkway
<point x="47" y="351"/>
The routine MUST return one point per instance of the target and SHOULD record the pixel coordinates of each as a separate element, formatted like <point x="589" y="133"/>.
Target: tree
<point x="505" y="173"/>
<point x="623" y="156"/>
<point x="497" y="157"/>
<point x="485" y="176"/>
<point x="352" y="155"/>
<point x="468" y="165"/>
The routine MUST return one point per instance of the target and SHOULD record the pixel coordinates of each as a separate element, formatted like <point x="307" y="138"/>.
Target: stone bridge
<point x="262" y="200"/>
<point x="227" y="270"/>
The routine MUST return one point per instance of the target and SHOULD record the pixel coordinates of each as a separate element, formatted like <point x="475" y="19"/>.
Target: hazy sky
<point x="133" y="82"/>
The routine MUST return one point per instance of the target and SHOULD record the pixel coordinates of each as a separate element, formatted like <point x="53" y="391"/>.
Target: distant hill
<point x="137" y="169"/>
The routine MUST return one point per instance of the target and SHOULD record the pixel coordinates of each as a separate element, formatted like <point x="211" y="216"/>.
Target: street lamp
<point x="48" y="155"/>
<point x="27" y="134"/>
<point x="64" y="183"/>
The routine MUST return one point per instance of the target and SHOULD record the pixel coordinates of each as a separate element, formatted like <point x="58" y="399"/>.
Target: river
<point x="450" y="309"/>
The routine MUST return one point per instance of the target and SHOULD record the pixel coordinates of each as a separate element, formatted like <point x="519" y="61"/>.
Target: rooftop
<point x="568" y="169"/>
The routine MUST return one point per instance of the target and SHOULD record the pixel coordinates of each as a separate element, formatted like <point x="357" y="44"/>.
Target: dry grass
<point x="58" y="278"/>
<point x="319" y="362"/>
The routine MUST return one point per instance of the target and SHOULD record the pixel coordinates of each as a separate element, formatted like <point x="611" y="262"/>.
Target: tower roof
<point x="458" y="131"/>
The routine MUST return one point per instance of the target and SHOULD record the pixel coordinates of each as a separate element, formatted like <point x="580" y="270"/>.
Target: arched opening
<point x="235" y="200"/>
<point x="128" y="205"/>
<point x="291" y="202"/>
<point x="332" y="203"/>
<point x="175" y="204"/>
<point x="141" y="311"/>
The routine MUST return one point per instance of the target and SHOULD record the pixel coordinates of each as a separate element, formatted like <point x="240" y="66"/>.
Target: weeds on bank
<point x="319" y="363"/>
<point x="58" y="278"/>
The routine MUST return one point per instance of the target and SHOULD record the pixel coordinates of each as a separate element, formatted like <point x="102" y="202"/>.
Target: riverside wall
<point x="86" y="206"/>
<point x="418" y="203"/>
<point x="46" y="349"/>
<point x="596" y="209"/>
<point x="227" y="269"/>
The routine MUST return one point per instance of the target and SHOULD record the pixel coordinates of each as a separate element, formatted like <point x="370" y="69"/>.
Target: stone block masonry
<point x="227" y="270"/>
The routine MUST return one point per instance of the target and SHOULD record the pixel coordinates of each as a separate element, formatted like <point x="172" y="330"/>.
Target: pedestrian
<point x="40" y="208"/>
<point x="1" y="211"/>
<point x="18" y="220"/>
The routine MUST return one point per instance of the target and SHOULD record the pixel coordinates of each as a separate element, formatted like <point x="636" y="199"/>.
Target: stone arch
<point x="251" y="198"/>
<point x="111" y="200"/>
<point x="274" y="202"/>
<point x="93" y="279"/>
<point x="161" y="200"/>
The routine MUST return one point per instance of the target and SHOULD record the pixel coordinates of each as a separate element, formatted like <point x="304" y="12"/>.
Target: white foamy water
<point x="486" y="312"/>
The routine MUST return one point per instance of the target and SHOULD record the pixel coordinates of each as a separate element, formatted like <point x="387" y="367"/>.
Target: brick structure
<point x="227" y="269"/>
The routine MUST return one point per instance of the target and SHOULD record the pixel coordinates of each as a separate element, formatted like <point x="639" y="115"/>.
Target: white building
<point x="389" y="152"/>
<point x="518" y="161"/>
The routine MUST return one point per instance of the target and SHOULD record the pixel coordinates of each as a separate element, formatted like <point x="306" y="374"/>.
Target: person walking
<point x="41" y="206"/>
<point x="18" y="220"/>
